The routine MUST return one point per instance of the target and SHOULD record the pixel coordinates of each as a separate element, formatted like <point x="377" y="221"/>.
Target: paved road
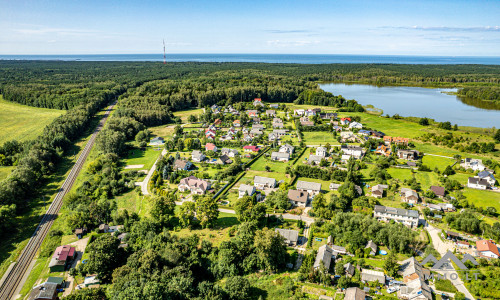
<point x="144" y="183"/>
<point x="442" y="248"/>
<point x="16" y="276"/>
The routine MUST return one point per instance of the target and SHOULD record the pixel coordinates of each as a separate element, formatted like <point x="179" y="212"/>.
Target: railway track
<point x="15" y="276"/>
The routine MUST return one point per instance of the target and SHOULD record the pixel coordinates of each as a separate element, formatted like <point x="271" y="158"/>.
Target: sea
<point x="270" y="58"/>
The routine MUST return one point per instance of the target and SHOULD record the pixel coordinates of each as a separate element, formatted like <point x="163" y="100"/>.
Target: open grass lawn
<point x="23" y="123"/>
<point x="391" y="203"/>
<point x="427" y="179"/>
<point x="320" y="138"/>
<point x="184" y="114"/>
<point x="5" y="171"/>
<point x="436" y="161"/>
<point x="216" y="235"/>
<point x="248" y="178"/>
<point x="146" y="157"/>
<point x="164" y="131"/>
<point x="276" y="166"/>
<point x="400" y="174"/>
<point x="483" y="198"/>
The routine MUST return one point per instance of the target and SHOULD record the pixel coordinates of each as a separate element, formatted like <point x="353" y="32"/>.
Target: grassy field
<point x="320" y="138"/>
<point x="140" y="157"/>
<point x="483" y="198"/>
<point x="436" y="161"/>
<point x="216" y="235"/>
<point x="23" y="123"/>
<point x="184" y="114"/>
<point x="276" y="166"/>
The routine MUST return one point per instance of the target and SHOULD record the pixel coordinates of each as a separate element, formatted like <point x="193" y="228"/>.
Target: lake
<point x="418" y="102"/>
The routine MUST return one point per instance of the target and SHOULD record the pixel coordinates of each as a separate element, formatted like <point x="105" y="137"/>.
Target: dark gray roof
<point x="45" y="290"/>
<point x="324" y="255"/>
<point x="264" y="180"/>
<point x="354" y="293"/>
<point x="349" y="268"/>
<point x="291" y="236"/>
<point x="480" y="181"/>
<point x="371" y="245"/>
<point x="396" y="211"/>
<point x="299" y="196"/>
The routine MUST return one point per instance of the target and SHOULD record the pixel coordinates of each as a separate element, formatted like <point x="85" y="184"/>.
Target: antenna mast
<point x="164" y="56"/>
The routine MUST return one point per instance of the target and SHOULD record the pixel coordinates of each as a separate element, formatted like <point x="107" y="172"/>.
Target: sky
<point x="403" y="27"/>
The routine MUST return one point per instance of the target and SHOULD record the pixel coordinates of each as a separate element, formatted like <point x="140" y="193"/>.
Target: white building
<point x="312" y="188"/>
<point x="356" y="125"/>
<point x="246" y="190"/>
<point x="354" y="151"/>
<point x="264" y="182"/>
<point x="321" y="151"/>
<point x="280" y="156"/>
<point x="477" y="183"/>
<point x="473" y="163"/>
<point x="403" y="216"/>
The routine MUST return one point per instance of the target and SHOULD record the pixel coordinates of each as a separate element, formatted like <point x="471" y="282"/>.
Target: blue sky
<point x="448" y="28"/>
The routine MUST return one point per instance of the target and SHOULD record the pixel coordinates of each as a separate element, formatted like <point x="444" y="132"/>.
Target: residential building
<point x="256" y="132"/>
<point x="250" y="148"/>
<point x="280" y="132"/>
<point x="210" y="147"/>
<point x="197" y="156"/>
<point x="91" y="281"/>
<point x="278" y="124"/>
<point x="356" y="125"/>
<point x="378" y="190"/>
<point x="334" y="186"/>
<point x="312" y="188"/>
<point x="44" y="291"/>
<point x="364" y="132"/>
<point x="298" y="198"/>
<point x="274" y="105"/>
<point x="349" y="269"/>
<point x="287" y="148"/>
<point x="280" y="156"/>
<point x="217" y="122"/>
<point x="473" y="163"/>
<point x="61" y="257"/>
<point x="315" y="159"/>
<point x="403" y="216"/>
<point x="304" y="121"/>
<point x="477" y="183"/>
<point x="371" y="275"/>
<point x="299" y="112"/>
<point x="264" y="182"/>
<point x="396" y="140"/>
<point x="194" y="184"/>
<point x="487" y="249"/>
<point x="328" y="116"/>
<point x="236" y="123"/>
<point x="291" y="236"/>
<point x="157" y="141"/>
<point x="345" y="121"/>
<point x="325" y="254"/>
<point x="409" y="196"/>
<point x="180" y="164"/>
<point x="373" y="247"/>
<point x="273" y="137"/>
<point x="246" y="190"/>
<point x="321" y="151"/>
<point x="438" y="190"/>
<point x="415" y="287"/>
<point x="407" y="154"/>
<point x="348" y="136"/>
<point x="337" y="128"/>
<point x="258" y="102"/>
<point x="229" y="152"/>
<point x="252" y="113"/>
<point x="354" y="151"/>
<point x="210" y="134"/>
<point x="337" y="249"/>
<point x="354" y="293"/>
<point x="225" y="160"/>
<point x="383" y="150"/>
<point x="271" y="113"/>
<point x="488" y="176"/>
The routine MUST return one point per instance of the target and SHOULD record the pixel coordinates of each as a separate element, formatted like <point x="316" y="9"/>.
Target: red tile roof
<point x="63" y="252"/>
<point x="487" y="245"/>
<point x="253" y="148"/>
<point x="209" y="146"/>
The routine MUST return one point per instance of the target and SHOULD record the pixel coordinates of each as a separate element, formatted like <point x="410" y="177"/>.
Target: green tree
<point x="104" y="257"/>
<point x="186" y="213"/>
<point x="207" y="211"/>
<point x="270" y="249"/>
<point x="423" y="121"/>
<point x="178" y="130"/>
<point x="497" y="136"/>
<point x="391" y="266"/>
<point x="88" y="294"/>
<point x="162" y="208"/>
<point x="238" y="288"/>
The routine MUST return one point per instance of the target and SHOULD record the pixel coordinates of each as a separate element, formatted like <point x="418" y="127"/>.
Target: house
<point x="236" y="123"/>
<point x="334" y="186"/>
<point x="337" y="128"/>
<point x="324" y="255"/>
<point x="328" y="116"/>
<point x="354" y="293"/>
<point x="180" y="164"/>
<point x="356" y="125"/>
<point x="291" y="236"/>
<point x="274" y="105"/>
<point x="256" y="132"/>
<point x="315" y="159"/>
<point x="354" y="151"/>
<point x="487" y="249"/>
<point x="473" y="163"/>
<point x="217" y="122"/>
<point x="214" y="107"/>
<point x="299" y="112"/>
<point x="270" y="113"/>
<point x="399" y="215"/>
<point x="264" y="182"/>
<point x="414" y="278"/>
<point x="348" y="136"/>
<point x="280" y="156"/>
<point x="345" y="121"/>
<point x="321" y="151"/>
<point x="448" y="207"/>
<point x="280" y="132"/>
<point x="378" y="190"/>
<point x="105" y="228"/>
<point x="272" y="137"/>
<point x="210" y="147"/>
<point x="80" y="232"/>
<point x="371" y="275"/>
<point x="338" y="249"/>
<point x="246" y="190"/>
<point x="250" y="148"/>
<point x="278" y="123"/>
<point x="304" y="121"/>
<point x="227" y="137"/>
<point x="438" y="190"/>
<point x="225" y="160"/>
<point x="349" y="269"/>
<point x="434" y="207"/>
<point x="252" y="113"/>
<point x="194" y="184"/>
<point x="396" y="140"/>
<point x="210" y="133"/>
<point x="377" y="134"/>
<point x="477" y="183"/>
<point x="298" y="198"/>
<point x="364" y="132"/>
<point x="197" y="156"/>
<point x="463" y="244"/>
<point x="256" y="120"/>
<point x="486" y="175"/>
<point x="287" y="148"/>
<point x="373" y="247"/>
<point x="409" y="195"/>
<point x="157" y="141"/>
<point x="407" y="154"/>
<point x="383" y="150"/>
<point x="61" y="257"/>
<point x="258" y="102"/>
<point x="313" y="188"/>
<point x="229" y="152"/>
<point x="90" y="281"/>
<point x="45" y="291"/>
<point x="247" y="138"/>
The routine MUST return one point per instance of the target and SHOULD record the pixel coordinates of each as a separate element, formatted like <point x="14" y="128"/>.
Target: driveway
<point x="144" y="183"/>
<point x="80" y="246"/>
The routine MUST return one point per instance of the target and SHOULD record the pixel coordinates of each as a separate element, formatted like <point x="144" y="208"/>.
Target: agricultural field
<point x="23" y="123"/>
<point x="483" y="198"/>
<point x="184" y="114"/>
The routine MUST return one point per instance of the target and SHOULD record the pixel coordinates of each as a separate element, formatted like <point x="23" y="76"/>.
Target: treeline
<point x="322" y="98"/>
<point x="481" y="92"/>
